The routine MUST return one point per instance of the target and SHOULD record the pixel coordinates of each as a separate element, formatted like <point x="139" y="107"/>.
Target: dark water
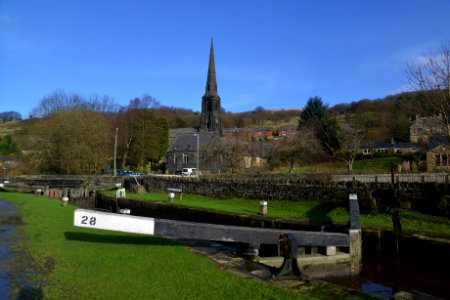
<point x="8" y="214"/>
<point x="420" y="267"/>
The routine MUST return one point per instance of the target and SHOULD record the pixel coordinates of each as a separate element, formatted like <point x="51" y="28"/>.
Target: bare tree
<point x="60" y="100"/>
<point x="73" y="141"/>
<point x="10" y="116"/>
<point x="143" y="135"/>
<point x="350" y="136"/>
<point x="431" y="74"/>
<point x="300" y="150"/>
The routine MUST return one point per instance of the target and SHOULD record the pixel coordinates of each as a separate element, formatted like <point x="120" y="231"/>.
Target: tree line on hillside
<point x="8" y="116"/>
<point x="72" y="134"/>
<point x="183" y="118"/>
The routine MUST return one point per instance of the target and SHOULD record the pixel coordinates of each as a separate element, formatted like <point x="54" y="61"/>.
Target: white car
<point x="188" y="171"/>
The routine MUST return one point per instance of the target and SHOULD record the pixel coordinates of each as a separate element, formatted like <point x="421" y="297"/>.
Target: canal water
<point x="420" y="266"/>
<point x="8" y="221"/>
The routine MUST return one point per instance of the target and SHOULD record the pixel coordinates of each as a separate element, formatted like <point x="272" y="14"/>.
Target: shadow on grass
<point x="118" y="239"/>
<point x="318" y="214"/>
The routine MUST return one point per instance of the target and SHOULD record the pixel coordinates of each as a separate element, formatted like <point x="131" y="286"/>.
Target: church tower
<point x="210" y="118"/>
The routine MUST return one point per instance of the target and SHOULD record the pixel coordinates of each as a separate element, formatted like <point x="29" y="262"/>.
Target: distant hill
<point x="388" y="117"/>
<point x="182" y="118"/>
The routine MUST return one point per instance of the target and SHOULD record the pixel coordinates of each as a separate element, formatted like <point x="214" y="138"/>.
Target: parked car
<point x="128" y="173"/>
<point x="188" y="171"/>
<point x="178" y="172"/>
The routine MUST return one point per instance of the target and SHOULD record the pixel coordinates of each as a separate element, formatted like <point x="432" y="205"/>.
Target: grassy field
<point x="307" y="211"/>
<point x="78" y="263"/>
<point x="8" y="128"/>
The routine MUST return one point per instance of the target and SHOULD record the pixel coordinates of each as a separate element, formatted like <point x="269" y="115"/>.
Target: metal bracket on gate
<point x="288" y="248"/>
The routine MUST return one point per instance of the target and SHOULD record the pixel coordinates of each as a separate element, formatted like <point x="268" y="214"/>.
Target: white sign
<point x="115" y="222"/>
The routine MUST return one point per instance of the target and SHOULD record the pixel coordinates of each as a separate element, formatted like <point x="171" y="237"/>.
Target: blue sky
<point x="274" y="54"/>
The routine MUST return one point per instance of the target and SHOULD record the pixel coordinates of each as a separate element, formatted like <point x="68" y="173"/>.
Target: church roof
<point x="188" y="142"/>
<point x="173" y="133"/>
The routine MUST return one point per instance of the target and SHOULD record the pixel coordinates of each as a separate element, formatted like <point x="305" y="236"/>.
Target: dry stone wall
<point x="425" y="197"/>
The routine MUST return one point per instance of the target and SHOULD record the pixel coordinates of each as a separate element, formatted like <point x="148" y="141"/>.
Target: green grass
<point x="306" y="211"/>
<point x="79" y="263"/>
<point x="376" y="165"/>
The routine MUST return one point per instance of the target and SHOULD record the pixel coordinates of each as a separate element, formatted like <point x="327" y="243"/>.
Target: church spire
<point x="211" y="83"/>
<point x="210" y="118"/>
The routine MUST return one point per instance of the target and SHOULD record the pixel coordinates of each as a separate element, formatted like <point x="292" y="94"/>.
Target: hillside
<point x="182" y="118"/>
<point x="9" y="127"/>
<point x="386" y="118"/>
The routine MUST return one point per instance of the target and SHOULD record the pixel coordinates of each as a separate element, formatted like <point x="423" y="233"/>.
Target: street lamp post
<point x="198" y="152"/>
<point x="115" y="154"/>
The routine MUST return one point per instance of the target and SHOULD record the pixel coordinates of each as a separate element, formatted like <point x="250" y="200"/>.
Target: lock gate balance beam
<point x="202" y="231"/>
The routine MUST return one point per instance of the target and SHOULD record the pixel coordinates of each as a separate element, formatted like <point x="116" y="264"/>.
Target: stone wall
<point x="253" y="187"/>
<point x="425" y="197"/>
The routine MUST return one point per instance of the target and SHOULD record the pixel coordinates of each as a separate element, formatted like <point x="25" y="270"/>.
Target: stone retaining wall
<point x="425" y="197"/>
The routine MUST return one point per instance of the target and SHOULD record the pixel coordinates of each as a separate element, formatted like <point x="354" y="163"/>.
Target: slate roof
<point x="249" y="129"/>
<point x="387" y="145"/>
<point x="173" y="133"/>
<point x="427" y="125"/>
<point x="437" y="140"/>
<point x="188" y="142"/>
<point x="288" y="127"/>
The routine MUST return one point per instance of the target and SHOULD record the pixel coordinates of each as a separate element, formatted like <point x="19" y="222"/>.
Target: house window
<point x="438" y="160"/>
<point x="185" y="158"/>
<point x="175" y="159"/>
<point x="444" y="160"/>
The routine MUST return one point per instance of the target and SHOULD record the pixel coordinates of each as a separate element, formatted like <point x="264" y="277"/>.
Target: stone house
<point x="257" y="133"/>
<point x="438" y="153"/>
<point x="370" y="148"/>
<point x="423" y="128"/>
<point x="287" y="131"/>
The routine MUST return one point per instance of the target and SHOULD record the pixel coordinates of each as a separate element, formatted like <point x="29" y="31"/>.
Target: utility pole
<point x="115" y="153"/>
<point x="198" y="152"/>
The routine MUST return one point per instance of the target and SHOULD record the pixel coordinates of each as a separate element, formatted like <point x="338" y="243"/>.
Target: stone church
<point x="194" y="148"/>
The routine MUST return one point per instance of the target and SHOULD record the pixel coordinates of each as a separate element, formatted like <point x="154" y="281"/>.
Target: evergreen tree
<point x="317" y="117"/>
